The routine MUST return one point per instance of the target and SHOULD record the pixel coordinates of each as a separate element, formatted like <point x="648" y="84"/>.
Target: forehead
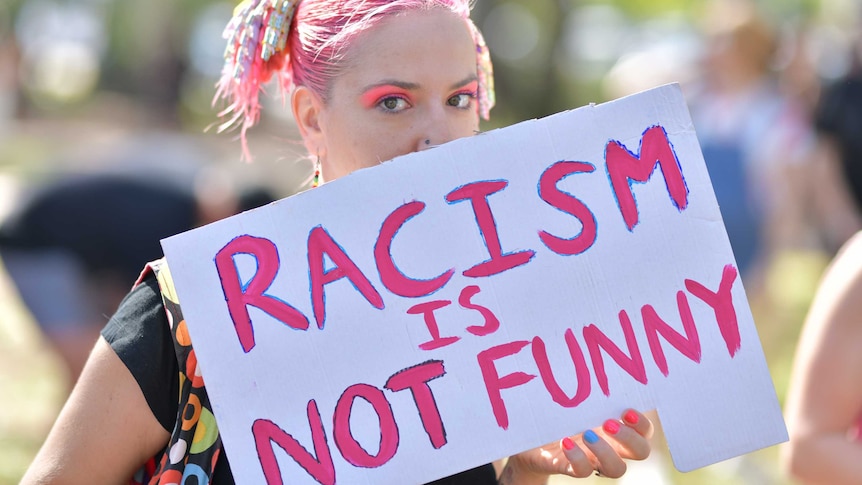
<point x="412" y="46"/>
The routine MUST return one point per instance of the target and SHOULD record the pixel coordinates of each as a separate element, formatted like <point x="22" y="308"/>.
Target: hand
<point x="601" y="450"/>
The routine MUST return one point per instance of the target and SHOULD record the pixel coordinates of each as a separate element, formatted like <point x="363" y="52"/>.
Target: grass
<point x="32" y="386"/>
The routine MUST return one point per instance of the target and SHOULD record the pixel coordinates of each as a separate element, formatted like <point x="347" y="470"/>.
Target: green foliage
<point x="645" y="9"/>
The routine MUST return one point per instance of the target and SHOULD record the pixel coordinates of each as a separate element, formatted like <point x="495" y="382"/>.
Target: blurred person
<point x="367" y="81"/>
<point x="824" y="404"/>
<point x="75" y="245"/>
<point x="838" y="120"/>
<point x="753" y="138"/>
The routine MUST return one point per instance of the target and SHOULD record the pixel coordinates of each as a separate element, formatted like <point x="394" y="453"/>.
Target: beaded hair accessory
<point x="256" y="39"/>
<point x="486" y="95"/>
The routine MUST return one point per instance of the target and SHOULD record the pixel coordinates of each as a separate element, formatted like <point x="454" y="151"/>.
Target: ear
<point x="306" y="106"/>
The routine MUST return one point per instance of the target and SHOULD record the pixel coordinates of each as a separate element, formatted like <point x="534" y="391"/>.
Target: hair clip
<point x="487" y="98"/>
<point x="256" y="41"/>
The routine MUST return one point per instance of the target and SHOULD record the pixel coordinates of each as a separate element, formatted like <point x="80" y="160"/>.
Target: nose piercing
<point x="427" y="141"/>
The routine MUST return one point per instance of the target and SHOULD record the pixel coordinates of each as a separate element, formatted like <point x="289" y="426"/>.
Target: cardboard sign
<point x="465" y="303"/>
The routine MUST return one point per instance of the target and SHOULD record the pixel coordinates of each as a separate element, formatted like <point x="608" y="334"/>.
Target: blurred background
<point x="122" y="89"/>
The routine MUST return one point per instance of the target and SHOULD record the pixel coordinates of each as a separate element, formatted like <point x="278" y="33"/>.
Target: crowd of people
<point x="369" y="81"/>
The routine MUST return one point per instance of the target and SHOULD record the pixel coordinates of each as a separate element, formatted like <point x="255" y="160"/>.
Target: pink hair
<point x="320" y="33"/>
<point x="325" y="28"/>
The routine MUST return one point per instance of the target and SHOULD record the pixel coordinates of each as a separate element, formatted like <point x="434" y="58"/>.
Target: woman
<point x="369" y="80"/>
<point x="824" y="403"/>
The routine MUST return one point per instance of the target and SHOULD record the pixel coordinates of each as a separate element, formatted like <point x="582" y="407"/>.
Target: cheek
<point x="394" y="146"/>
<point x="469" y="126"/>
<point x="371" y="145"/>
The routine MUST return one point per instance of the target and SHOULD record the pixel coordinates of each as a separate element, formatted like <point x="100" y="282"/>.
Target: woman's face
<point x="409" y="84"/>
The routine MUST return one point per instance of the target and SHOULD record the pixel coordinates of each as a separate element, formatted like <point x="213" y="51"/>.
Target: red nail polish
<point x="568" y="443"/>
<point x="631" y="417"/>
<point x="611" y="427"/>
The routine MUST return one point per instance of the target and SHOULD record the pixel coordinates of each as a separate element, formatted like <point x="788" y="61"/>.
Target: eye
<point x="461" y="100"/>
<point x="393" y="104"/>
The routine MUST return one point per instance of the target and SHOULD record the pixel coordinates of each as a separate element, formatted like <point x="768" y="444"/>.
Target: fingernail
<point x="631" y="417"/>
<point x="590" y="436"/>
<point x="611" y="426"/>
<point x="568" y="443"/>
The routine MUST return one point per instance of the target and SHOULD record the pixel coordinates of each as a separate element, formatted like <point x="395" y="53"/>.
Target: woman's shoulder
<point x="849" y="256"/>
<point x="140" y="335"/>
<point x="840" y="289"/>
<point x="142" y="308"/>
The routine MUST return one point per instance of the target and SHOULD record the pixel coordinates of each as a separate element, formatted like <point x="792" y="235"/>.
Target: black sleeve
<point x="483" y="475"/>
<point x="140" y="335"/>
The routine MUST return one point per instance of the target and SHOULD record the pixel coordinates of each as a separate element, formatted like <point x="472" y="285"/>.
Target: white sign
<point x="465" y="303"/>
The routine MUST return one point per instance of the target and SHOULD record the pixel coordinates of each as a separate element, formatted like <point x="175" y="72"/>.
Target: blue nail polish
<point x="590" y="436"/>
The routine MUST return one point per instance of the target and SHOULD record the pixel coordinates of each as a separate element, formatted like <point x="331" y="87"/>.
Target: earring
<point x="315" y="179"/>
<point x="427" y="141"/>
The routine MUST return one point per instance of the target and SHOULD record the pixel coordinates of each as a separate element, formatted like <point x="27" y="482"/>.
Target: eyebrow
<point x="408" y="86"/>
<point x="467" y="80"/>
<point x="391" y="82"/>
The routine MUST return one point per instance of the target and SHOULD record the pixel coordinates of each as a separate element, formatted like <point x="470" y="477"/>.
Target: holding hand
<point x="601" y="450"/>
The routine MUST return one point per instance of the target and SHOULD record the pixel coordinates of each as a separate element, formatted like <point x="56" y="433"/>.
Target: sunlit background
<point x="89" y="85"/>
